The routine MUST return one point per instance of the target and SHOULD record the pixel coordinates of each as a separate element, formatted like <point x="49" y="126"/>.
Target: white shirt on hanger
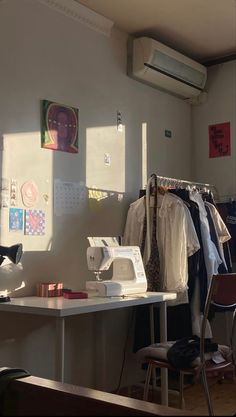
<point x="176" y="237"/>
<point x="177" y="240"/>
<point x="211" y="256"/>
<point x="222" y="232"/>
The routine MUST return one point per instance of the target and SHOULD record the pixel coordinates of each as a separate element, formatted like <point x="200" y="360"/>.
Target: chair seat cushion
<point x="159" y="351"/>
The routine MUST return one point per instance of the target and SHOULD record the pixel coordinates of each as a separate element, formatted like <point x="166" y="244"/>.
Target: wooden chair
<point x="221" y="297"/>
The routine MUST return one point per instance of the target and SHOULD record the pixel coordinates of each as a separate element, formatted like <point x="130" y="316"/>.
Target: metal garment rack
<point x="167" y="181"/>
<point x="179" y="183"/>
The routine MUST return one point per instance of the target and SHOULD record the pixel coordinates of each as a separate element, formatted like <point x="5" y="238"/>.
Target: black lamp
<point x="14" y="253"/>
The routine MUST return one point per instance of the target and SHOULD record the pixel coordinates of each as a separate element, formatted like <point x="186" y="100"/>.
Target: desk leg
<point x="152" y="338"/>
<point x="60" y="349"/>
<point x="163" y="338"/>
<point x="101" y="340"/>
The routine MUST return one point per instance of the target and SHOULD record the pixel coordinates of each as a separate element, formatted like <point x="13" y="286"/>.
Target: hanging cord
<point x="125" y="350"/>
<point x="151" y="183"/>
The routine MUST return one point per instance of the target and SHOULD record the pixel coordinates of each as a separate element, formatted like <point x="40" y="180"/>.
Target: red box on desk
<point x="75" y="294"/>
<point x="49" y="289"/>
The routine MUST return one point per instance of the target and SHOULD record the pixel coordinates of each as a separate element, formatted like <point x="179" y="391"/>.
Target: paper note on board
<point x="68" y="196"/>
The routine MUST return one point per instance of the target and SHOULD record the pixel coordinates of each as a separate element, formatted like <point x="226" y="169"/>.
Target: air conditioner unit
<point x="156" y="64"/>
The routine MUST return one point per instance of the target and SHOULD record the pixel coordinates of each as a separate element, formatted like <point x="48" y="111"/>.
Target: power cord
<point x="125" y="350"/>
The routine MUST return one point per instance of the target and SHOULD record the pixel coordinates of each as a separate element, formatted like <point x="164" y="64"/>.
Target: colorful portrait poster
<point x="219" y="140"/>
<point x="59" y="127"/>
<point x="15" y="219"/>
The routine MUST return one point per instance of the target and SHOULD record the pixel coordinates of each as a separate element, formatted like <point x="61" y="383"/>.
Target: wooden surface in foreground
<point x="33" y="396"/>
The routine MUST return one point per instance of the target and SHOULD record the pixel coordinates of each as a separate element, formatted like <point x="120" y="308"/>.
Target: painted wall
<point x="46" y="55"/>
<point x="220" y="107"/>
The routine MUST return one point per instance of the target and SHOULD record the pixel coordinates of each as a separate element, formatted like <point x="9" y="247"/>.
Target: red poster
<point x="219" y="140"/>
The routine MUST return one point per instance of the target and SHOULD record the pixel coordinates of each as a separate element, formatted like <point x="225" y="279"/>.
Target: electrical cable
<point x="125" y="349"/>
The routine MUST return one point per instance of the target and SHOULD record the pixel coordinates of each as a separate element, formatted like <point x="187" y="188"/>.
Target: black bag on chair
<point x="184" y="351"/>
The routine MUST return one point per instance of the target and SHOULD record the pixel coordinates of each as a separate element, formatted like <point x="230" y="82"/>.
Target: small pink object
<point x="75" y="294"/>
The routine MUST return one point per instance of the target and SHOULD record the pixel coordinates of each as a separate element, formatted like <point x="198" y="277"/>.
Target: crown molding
<point x="82" y="14"/>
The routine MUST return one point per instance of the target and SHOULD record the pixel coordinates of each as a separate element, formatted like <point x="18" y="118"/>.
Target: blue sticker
<point x="16" y="219"/>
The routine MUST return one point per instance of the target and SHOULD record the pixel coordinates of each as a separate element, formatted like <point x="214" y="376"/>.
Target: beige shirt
<point x="222" y="232"/>
<point x="176" y="238"/>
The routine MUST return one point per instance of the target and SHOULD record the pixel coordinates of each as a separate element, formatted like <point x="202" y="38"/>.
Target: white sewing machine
<point x="128" y="271"/>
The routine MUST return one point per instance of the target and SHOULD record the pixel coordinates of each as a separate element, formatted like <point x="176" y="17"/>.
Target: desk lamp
<point x="14" y="253"/>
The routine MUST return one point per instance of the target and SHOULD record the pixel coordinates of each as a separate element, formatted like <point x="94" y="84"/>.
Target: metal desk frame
<point x="60" y="308"/>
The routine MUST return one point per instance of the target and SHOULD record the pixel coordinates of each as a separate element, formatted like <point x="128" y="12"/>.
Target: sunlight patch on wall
<point x="26" y="178"/>
<point x="5" y="293"/>
<point x="105" y="161"/>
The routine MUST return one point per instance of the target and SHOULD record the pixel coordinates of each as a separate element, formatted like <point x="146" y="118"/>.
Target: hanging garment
<point x="211" y="256"/>
<point x="133" y="232"/>
<point x="196" y="262"/>
<point x="221" y="228"/>
<point x="219" y="234"/>
<point x="198" y="282"/>
<point x="177" y="241"/>
<point x="152" y="267"/>
<point x="228" y="214"/>
<point x="176" y="238"/>
<point x="208" y="197"/>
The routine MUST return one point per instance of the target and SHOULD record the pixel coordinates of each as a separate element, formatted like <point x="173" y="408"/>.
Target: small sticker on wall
<point x="107" y="159"/>
<point x="5" y="195"/>
<point x="168" y="133"/>
<point x="119" y="121"/>
<point x="13" y="193"/>
<point x="219" y="140"/>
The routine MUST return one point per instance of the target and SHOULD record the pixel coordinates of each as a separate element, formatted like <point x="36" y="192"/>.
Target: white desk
<point x="60" y="308"/>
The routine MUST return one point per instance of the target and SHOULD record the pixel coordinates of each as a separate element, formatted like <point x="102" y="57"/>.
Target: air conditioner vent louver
<point x="177" y="69"/>
<point x="162" y="67"/>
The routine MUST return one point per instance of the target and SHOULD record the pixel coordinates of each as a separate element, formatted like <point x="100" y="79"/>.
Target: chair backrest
<point x="222" y="295"/>
<point x="224" y="291"/>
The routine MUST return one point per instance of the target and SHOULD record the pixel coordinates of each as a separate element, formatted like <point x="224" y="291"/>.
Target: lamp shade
<point x="14" y="252"/>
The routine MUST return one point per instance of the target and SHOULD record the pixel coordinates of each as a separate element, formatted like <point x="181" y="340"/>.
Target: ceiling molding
<point x="220" y="60"/>
<point x="82" y="14"/>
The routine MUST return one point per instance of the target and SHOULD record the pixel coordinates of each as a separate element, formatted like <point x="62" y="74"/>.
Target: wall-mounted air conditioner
<point x="156" y="64"/>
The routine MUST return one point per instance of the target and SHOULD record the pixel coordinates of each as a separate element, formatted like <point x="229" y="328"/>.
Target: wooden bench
<point x="33" y="396"/>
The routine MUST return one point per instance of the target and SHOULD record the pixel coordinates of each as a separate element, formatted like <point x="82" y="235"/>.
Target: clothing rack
<point x="167" y="182"/>
<point x="178" y="183"/>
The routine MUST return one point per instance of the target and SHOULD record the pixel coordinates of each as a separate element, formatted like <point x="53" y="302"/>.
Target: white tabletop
<point x="62" y="307"/>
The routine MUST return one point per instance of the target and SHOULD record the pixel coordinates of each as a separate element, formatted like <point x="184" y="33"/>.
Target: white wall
<point x="46" y="55"/>
<point x="220" y="107"/>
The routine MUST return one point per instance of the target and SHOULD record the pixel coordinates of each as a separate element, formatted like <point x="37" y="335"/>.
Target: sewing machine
<point x="128" y="271"/>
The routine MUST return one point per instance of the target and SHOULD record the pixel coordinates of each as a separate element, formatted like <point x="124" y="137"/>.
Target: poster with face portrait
<point x="59" y="127"/>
